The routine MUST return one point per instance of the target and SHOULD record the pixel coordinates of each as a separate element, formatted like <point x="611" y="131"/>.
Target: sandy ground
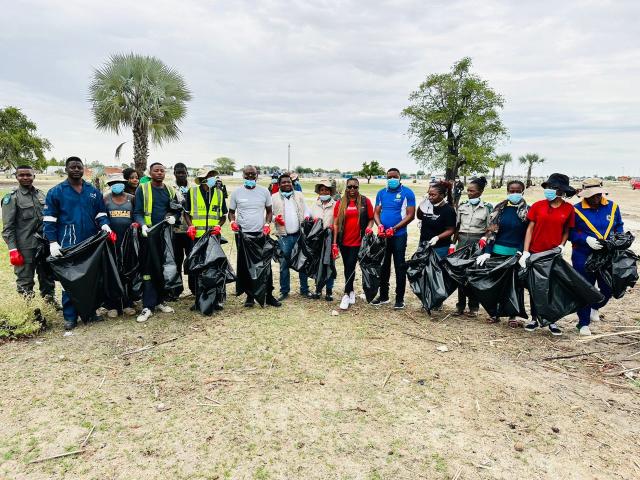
<point x="299" y="393"/>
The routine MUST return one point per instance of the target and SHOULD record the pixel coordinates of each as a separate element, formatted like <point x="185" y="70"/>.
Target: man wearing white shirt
<point x="289" y="210"/>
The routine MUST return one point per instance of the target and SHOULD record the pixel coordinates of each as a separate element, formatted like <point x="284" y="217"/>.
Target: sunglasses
<point x="351" y="187"/>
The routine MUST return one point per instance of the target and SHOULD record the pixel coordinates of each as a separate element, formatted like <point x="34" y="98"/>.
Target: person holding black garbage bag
<point x="438" y="219"/>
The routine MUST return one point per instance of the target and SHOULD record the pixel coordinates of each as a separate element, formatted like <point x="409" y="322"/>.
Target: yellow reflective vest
<point x="147" y="196"/>
<point x="201" y="218"/>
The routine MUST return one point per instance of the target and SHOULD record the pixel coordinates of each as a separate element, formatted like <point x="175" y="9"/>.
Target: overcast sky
<point x="332" y="77"/>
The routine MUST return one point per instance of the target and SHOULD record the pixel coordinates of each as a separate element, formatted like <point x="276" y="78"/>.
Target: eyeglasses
<point x="354" y="187"/>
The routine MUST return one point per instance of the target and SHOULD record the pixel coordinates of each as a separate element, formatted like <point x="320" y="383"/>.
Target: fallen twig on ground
<point x="60" y="455"/>
<point x="603" y="335"/>
<point x="434" y="340"/>
<point x="561" y="357"/>
<point x="621" y="372"/>
<point x="86" y="440"/>
<point x="148" y="347"/>
<point x="386" y="379"/>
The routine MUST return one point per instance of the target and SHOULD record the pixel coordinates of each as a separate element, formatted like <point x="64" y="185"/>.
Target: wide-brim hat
<point x="116" y="179"/>
<point x="204" y="173"/>
<point x="560" y="182"/>
<point x="591" y="187"/>
<point x="325" y="183"/>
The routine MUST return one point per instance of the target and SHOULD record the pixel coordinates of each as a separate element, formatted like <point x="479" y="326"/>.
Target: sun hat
<point x="203" y="173"/>
<point x="560" y="182"/>
<point x="116" y="179"/>
<point x="325" y="183"/>
<point x="591" y="187"/>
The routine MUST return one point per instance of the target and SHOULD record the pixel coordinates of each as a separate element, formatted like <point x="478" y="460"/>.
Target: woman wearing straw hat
<point x="322" y="209"/>
<point x="596" y="219"/>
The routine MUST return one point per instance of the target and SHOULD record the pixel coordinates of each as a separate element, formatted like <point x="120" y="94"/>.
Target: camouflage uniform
<point x="22" y="219"/>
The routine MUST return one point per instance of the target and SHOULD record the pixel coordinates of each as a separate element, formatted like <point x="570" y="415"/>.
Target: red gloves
<point x="482" y="242"/>
<point x="216" y="230"/>
<point x="113" y="238"/>
<point x="191" y="232"/>
<point x="368" y="231"/>
<point x="389" y="232"/>
<point x="235" y="227"/>
<point x="330" y="227"/>
<point x="335" y="251"/>
<point x="15" y="258"/>
<point x="279" y="220"/>
<point x="135" y="225"/>
<point x="381" y="231"/>
<point x="452" y="248"/>
<point x="266" y="229"/>
<point x="309" y="218"/>
<point x="316" y="220"/>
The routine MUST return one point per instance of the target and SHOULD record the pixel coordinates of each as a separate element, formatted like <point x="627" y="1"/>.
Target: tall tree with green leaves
<point x="19" y="141"/>
<point x="454" y="120"/>
<point x="142" y="93"/>
<point x="371" y="169"/>
<point x="530" y="159"/>
<point x="225" y="165"/>
<point x="504" y="159"/>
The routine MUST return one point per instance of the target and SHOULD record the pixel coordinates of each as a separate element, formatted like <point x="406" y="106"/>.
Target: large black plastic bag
<point x="129" y="264"/>
<point x="89" y="273"/>
<point x="305" y="254"/>
<point x="255" y="253"/>
<point x="496" y="286"/>
<point x="211" y="266"/>
<point x="555" y="287"/>
<point x="325" y="265"/>
<point x="159" y="262"/>
<point x="615" y="263"/>
<point x="370" y="257"/>
<point x="426" y="277"/>
<point x="455" y="266"/>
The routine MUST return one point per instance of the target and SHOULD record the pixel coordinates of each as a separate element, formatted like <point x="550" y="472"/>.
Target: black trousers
<point x="182" y="246"/>
<point x="465" y="239"/>
<point x="396" y="248"/>
<point x="350" y="260"/>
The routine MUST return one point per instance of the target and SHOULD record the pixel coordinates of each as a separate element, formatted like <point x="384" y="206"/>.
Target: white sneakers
<point x="144" y="315"/>
<point x="352" y="298"/>
<point x="585" y="331"/>
<point x="345" y="302"/>
<point x="595" y="315"/>
<point x="164" y="308"/>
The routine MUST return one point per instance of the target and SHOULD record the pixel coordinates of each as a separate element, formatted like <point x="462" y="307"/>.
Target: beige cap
<point x="591" y="187"/>
<point x="204" y="173"/>
<point x="116" y="179"/>
<point x="325" y="183"/>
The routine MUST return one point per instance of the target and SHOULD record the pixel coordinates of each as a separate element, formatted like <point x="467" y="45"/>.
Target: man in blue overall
<point x="73" y="211"/>
<point x="596" y="219"/>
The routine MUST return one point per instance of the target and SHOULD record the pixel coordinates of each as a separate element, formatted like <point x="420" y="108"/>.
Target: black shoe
<point x="555" y="329"/>
<point x="313" y="296"/>
<point x="283" y="296"/>
<point x="380" y="300"/>
<point x="531" y="326"/>
<point x="329" y="297"/>
<point x="398" y="305"/>
<point x="218" y="307"/>
<point x="93" y="319"/>
<point x="193" y="308"/>
<point x="248" y="303"/>
<point x="459" y="312"/>
<point x="273" y="302"/>
<point x="70" y="324"/>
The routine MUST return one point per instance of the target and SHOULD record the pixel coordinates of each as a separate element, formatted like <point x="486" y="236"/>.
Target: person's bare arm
<point x="411" y="214"/>
<point x="527" y="236"/>
<point x="447" y="233"/>
<point x="565" y="235"/>
<point x="269" y="211"/>
<point x="376" y="214"/>
<point x="232" y="215"/>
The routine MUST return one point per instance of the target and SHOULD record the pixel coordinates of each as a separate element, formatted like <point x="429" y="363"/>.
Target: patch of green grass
<point x="440" y="464"/>
<point x="261" y="473"/>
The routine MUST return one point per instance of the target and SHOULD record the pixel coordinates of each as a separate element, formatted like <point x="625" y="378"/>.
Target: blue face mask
<point x="211" y="182"/>
<point x="474" y="201"/>
<point x="287" y="194"/>
<point x="550" y="194"/>
<point x="274" y="180"/>
<point x="324" y="198"/>
<point x="184" y="189"/>
<point x="117" y="189"/>
<point x="249" y="183"/>
<point x="514" y="197"/>
<point x="393" y="183"/>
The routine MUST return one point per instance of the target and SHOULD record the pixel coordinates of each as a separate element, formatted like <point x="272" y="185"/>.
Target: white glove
<point x="594" y="243"/>
<point x="434" y="240"/>
<point x="562" y="248"/>
<point x="105" y="228"/>
<point x="523" y="259"/>
<point x="483" y="258"/>
<point x="171" y="220"/>
<point x="145" y="230"/>
<point x="55" y="249"/>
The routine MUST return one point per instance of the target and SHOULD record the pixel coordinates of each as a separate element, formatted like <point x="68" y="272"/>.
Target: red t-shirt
<point x="351" y="229"/>
<point x="549" y="224"/>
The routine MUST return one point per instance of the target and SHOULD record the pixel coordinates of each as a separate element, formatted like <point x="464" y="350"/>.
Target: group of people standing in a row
<point x="75" y="210"/>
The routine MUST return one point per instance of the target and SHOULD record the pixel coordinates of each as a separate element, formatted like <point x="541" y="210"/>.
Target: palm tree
<point x="530" y="159"/>
<point x="503" y="159"/>
<point x="141" y="93"/>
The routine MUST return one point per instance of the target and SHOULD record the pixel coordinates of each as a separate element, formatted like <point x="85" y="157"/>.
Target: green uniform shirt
<point x="22" y="217"/>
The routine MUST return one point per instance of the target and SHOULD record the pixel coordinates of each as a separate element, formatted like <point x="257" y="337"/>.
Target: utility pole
<point x="289" y="158"/>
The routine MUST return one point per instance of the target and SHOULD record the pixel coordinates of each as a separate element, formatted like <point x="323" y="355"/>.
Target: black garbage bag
<point x="325" y="265"/>
<point x="426" y="277"/>
<point x="255" y="252"/>
<point x="496" y="286"/>
<point x="455" y="266"/>
<point x="615" y="263"/>
<point x="370" y="257"/>
<point x="89" y="273"/>
<point x="211" y="266"/>
<point x="130" y="255"/>
<point x="158" y="261"/>
<point x="305" y="254"/>
<point x="41" y="254"/>
<point x="555" y="287"/>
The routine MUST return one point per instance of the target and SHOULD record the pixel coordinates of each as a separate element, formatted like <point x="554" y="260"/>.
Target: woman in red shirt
<point x="549" y="223"/>
<point x="353" y="218"/>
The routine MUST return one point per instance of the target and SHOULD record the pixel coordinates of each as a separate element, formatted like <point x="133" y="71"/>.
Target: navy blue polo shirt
<point x="394" y="206"/>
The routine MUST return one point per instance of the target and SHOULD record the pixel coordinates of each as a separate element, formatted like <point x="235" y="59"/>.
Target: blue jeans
<point x="286" y="244"/>
<point x="584" y="314"/>
<point x="69" y="312"/>
<point x="442" y="251"/>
